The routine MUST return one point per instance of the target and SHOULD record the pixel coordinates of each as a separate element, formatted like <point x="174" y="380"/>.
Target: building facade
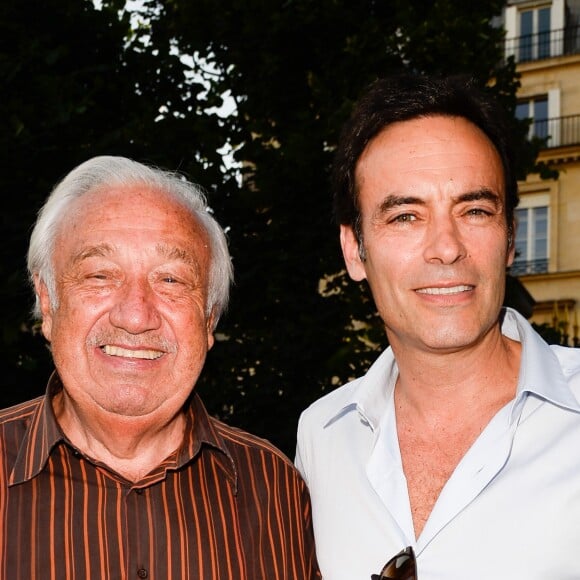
<point x="544" y="39"/>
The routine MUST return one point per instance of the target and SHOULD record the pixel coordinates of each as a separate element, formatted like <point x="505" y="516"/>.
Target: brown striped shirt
<point x="227" y="505"/>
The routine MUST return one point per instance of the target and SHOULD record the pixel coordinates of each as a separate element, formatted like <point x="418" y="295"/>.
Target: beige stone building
<point x="544" y="38"/>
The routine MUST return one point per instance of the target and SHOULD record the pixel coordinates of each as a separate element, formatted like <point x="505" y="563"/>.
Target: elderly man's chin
<point x="131" y="400"/>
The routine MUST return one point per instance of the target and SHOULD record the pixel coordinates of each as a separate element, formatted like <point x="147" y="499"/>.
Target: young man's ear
<point x="351" y="253"/>
<point x="45" y="306"/>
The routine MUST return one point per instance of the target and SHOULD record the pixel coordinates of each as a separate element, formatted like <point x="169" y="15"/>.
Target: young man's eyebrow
<point x="481" y="194"/>
<point x="392" y="201"/>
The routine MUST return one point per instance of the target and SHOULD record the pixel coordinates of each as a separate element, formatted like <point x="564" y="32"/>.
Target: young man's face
<point x="434" y="232"/>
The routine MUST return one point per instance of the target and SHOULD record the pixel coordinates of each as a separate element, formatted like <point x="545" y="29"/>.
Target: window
<point x="534" y="34"/>
<point x="535" y="109"/>
<point x="531" y="240"/>
<point x="534" y="29"/>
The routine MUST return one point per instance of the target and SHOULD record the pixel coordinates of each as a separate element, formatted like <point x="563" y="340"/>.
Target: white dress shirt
<point x="511" y="508"/>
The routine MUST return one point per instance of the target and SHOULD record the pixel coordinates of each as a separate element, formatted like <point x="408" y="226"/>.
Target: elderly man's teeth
<point x="144" y="354"/>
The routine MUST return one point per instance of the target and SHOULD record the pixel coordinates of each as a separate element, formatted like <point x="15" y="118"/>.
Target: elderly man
<point x="118" y="471"/>
<point x="458" y="447"/>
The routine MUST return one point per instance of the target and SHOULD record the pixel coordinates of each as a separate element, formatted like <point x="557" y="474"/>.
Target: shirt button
<point x="139" y="491"/>
<point x="142" y="573"/>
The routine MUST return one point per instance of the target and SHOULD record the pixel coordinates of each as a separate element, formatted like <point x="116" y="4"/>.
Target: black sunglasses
<point x="403" y="566"/>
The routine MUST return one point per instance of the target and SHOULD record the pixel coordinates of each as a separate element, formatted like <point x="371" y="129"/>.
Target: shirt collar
<point x="540" y="375"/>
<point x="370" y="394"/>
<point x="43" y="433"/>
<point x="202" y="435"/>
<point x="41" y="436"/>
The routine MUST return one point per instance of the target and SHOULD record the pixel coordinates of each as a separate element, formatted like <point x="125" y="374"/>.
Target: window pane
<point x="526" y="22"/>
<point x="526" y="31"/>
<point x="541" y="117"/>
<point x="544" y="20"/>
<point x="523" y="110"/>
<point x="540" y="249"/>
<point x="544" y="33"/>
<point x="521" y="235"/>
<point x="540" y="216"/>
<point x="541" y="233"/>
<point x="531" y="241"/>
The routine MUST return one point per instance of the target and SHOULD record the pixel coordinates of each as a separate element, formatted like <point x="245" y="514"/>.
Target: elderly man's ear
<point x="45" y="306"/>
<point x="209" y="324"/>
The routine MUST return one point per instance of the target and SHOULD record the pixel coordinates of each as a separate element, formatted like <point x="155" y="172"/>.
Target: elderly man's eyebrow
<point x="175" y="253"/>
<point x="100" y="250"/>
<point x="169" y="252"/>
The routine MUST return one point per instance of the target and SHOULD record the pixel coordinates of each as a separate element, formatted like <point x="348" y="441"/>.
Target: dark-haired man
<point x="460" y="442"/>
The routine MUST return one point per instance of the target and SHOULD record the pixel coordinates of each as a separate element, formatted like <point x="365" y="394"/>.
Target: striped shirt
<point x="226" y="505"/>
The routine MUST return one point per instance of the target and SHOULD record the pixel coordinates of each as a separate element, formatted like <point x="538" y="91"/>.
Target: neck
<point x="445" y="383"/>
<point x="130" y="446"/>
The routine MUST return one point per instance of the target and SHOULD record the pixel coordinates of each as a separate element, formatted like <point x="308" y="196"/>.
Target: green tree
<point x="71" y="89"/>
<point x="90" y="83"/>
<point x="294" y="69"/>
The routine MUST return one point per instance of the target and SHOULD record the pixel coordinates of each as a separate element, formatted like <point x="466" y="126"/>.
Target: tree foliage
<point x="90" y="83"/>
<point x="71" y="89"/>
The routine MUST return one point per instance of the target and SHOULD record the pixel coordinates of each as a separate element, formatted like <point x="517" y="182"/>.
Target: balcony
<point x="523" y="267"/>
<point x="530" y="47"/>
<point x="558" y="131"/>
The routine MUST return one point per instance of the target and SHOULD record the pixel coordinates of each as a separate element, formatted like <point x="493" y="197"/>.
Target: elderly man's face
<point x="434" y="231"/>
<point x="130" y="333"/>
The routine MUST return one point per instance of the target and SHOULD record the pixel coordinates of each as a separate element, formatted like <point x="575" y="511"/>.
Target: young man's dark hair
<point x="410" y="96"/>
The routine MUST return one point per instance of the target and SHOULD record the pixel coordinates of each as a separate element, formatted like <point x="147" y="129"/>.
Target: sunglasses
<point x="403" y="566"/>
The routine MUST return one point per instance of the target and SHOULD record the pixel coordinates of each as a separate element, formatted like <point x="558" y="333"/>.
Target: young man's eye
<point x="405" y="217"/>
<point x="478" y="211"/>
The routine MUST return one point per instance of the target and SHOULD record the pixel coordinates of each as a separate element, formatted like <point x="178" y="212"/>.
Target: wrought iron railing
<point x="522" y="267"/>
<point x="529" y="47"/>
<point x="557" y="131"/>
